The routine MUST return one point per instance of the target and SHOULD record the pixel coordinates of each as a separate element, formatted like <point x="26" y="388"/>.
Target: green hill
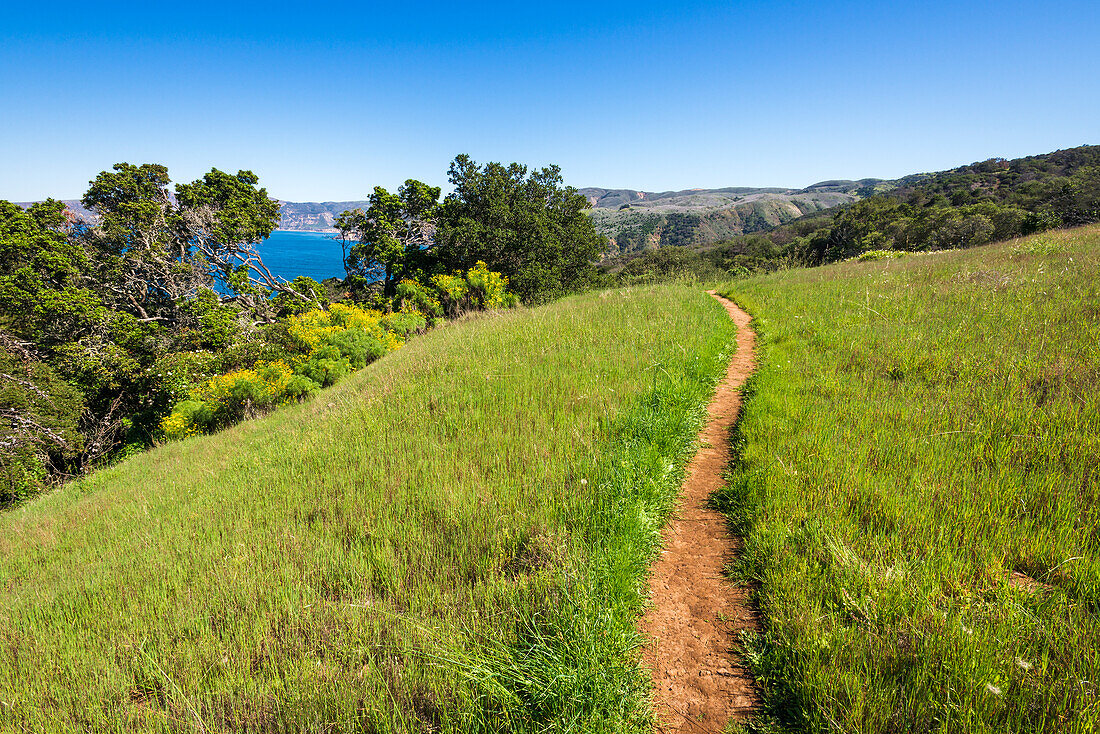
<point x="919" y="486"/>
<point x="453" y="539"/>
<point x="971" y="205"/>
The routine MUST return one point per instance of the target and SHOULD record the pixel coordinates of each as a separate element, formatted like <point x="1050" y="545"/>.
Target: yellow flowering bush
<point x="331" y="342"/>
<point x="183" y="421"/>
<point x="225" y="399"/>
<point x="477" y="289"/>
<point x="414" y="297"/>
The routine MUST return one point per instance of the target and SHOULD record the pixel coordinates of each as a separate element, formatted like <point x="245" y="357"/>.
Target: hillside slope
<point x="314" y="216"/>
<point x="970" y="205"/>
<point x="636" y="220"/>
<point x="453" y="539"/>
<point x="920" y="489"/>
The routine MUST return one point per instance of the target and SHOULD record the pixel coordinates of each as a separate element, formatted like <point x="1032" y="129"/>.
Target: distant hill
<point x="986" y="201"/>
<point x="76" y="209"/>
<point x="314" y="216"/>
<point x="637" y="220"/>
<point x="298" y="216"/>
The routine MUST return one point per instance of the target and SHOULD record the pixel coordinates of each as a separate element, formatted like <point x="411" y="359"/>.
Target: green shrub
<point x="226" y="399"/>
<point x="872" y="255"/>
<point x="358" y="346"/>
<point x="39" y="430"/>
<point x="188" y="418"/>
<point x="216" y="326"/>
<point x="669" y="263"/>
<point x="1040" y="222"/>
<point x="326" y="366"/>
<point x="404" y="323"/>
<point x="299" y="387"/>
<point x="288" y="305"/>
<point x="478" y="289"/>
<point x="419" y="296"/>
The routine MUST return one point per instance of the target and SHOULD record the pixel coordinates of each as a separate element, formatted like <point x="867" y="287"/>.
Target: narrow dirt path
<point x="699" y="683"/>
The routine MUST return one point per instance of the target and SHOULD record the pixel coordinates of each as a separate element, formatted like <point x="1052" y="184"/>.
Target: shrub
<point x="325" y="366"/>
<point x="188" y="418"/>
<point x="417" y="296"/>
<point x="871" y="255"/>
<point x="39" y="430"/>
<point x="358" y="346"/>
<point x="403" y="323"/>
<point x="477" y="289"/>
<point x="225" y="399"/>
<point x="325" y="346"/>
<point x="237" y="395"/>
<point x="1040" y="222"/>
<point x="217" y="325"/>
<point x="288" y="305"/>
<point x="669" y="263"/>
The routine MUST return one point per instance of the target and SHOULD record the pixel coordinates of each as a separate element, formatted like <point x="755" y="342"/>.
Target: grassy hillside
<point x="454" y="539"/>
<point x="920" y="489"/>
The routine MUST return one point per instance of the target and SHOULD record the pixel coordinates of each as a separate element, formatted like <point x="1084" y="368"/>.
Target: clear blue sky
<point x="325" y="101"/>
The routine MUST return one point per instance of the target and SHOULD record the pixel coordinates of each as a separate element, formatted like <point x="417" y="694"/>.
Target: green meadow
<point x="453" y="539"/>
<point x="918" y="482"/>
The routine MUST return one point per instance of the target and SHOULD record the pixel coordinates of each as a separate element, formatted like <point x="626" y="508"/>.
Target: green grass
<point x="920" y="429"/>
<point x="454" y="539"/>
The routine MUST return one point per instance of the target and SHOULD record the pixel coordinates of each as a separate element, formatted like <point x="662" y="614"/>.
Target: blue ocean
<point x="315" y="254"/>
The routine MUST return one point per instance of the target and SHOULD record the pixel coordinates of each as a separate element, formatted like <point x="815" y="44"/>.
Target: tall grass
<point x="919" y="483"/>
<point x="454" y="539"/>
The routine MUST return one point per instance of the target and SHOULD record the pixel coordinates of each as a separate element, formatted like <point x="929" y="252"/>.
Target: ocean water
<point x="314" y="254"/>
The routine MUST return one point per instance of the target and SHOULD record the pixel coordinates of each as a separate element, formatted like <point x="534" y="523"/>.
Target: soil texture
<point x="691" y="627"/>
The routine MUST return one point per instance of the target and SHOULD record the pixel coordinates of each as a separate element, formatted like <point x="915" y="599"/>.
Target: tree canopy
<point x="524" y="224"/>
<point x="160" y="249"/>
<point x="391" y="237"/>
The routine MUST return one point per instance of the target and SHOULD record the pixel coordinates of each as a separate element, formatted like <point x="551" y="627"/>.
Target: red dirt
<point x="699" y="683"/>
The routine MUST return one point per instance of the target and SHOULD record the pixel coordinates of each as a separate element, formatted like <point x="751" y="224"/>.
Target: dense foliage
<point x="391" y="238"/>
<point x="670" y="263"/>
<point x="525" y="225"/>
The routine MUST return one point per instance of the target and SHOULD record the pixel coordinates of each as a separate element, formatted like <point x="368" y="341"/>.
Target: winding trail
<point x="699" y="682"/>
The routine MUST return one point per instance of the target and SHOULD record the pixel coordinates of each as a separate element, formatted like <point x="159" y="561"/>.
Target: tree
<point x="47" y="279"/>
<point x="527" y="226"/>
<point x="392" y="237"/>
<point x="223" y="218"/>
<point x="39" y="413"/>
<point x="158" y="250"/>
<point x="145" y="268"/>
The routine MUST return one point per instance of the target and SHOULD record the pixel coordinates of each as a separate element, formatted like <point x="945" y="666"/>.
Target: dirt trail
<point x="699" y="683"/>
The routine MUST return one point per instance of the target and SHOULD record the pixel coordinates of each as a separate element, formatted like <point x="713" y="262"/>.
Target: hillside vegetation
<point x="160" y="319"/>
<point x="452" y="539"/>
<point x="919" y="486"/>
<point x="987" y="201"/>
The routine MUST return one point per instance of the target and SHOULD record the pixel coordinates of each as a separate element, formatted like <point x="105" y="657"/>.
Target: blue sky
<point x="325" y="101"/>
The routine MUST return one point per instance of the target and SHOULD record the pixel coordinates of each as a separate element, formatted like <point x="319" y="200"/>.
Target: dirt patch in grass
<point x="699" y="682"/>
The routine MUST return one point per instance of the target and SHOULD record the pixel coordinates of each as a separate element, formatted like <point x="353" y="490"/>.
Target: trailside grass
<point x="919" y="486"/>
<point x="454" y="539"/>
